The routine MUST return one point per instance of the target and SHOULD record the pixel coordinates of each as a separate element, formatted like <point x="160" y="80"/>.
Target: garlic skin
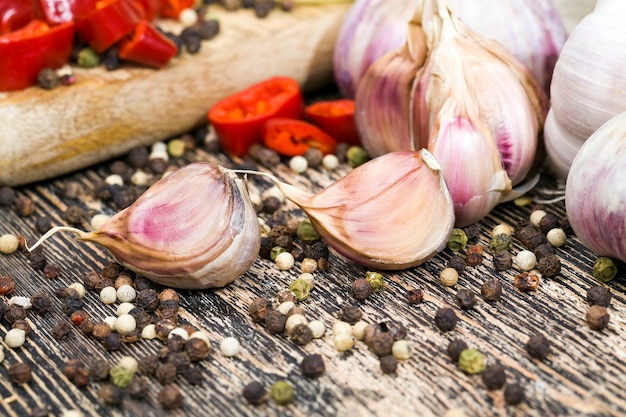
<point x="391" y="213"/>
<point x="588" y="85"/>
<point x="595" y="190"/>
<point x="195" y="228"/>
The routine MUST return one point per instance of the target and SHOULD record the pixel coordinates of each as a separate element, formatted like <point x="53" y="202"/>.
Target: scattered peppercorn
<point x="61" y="330"/>
<point x="275" y="321"/>
<point x="458" y="240"/>
<point x="414" y="296"/>
<point x="312" y="366"/>
<point x="100" y="330"/>
<point x="526" y="281"/>
<point x="599" y="295"/>
<point x="20" y="373"/>
<point x="15" y="312"/>
<point x="22" y="325"/>
<point x="471" y="361"/>
<point x="350" y="314"/>
<point x="112" y="341"/>
<point x="455" y="348"/>
<point x="543" y="250"/>
<point x="197" y="349"/>
<point x="494" y="376"/>
<point x="99" y="369"/>
<point x="165" y="373"/>
<point x="255" y="393"/>
<point x="597" y="317"/>
<point x="514" y="394"/>
<point x="445" y="319"/>
<point x="180" y="360"/>
<point x="500" y="242"/>
<point x="388" y="364"/>
<point x="549" y="265"/>
<point x="24" y="206"/>
<point x="538" y="346"/>
<point x="170" y="397"/>
<point x="7" y="196"/>
<point x="376" y="279"/>
<point x="147" y="365"/>
<point x="138" y="387"/>
<point x="604" y="269"/>
<point x="491" y="290"/>
<point x="548" y="222"/>
<point x="474" y="255"/>
<point x="449" y="277"/>
<point x="381" y="344"/>
<point x="457" y="262"/>
<point x="356" y="156"/>
<point x="361" y="289"/>
<point x="473" y="234"/>
<point x="282" y="392"/>
<point x="301" y="288"/>
<point x="7" y="285"/>
<point x="193" y="375"/>
<point x="466" y="298"/>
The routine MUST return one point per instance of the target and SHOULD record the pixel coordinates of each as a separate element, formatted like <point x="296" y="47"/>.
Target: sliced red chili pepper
<point x="61" y="11"/>
<point x="27" y="51"/>
<point x="147" y="46"/>
<point x="238" y="119"/>
<point x="109" y="22"/>
<point x="335" y="117"/>
<point x="15" y="14"/>
<point x="173" y="8"/>
<point x="291" y="137"/>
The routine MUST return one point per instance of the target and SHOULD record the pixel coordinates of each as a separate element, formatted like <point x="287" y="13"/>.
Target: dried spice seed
<point x="597" y="317"/>
<point x="282" y="393"/>
<point x="24" y="206"/>
<point x="112" y="342"/>
<point x="491" y="290"/>
<point x="20" y="373"/>
<point x="312" y="366"/>
<point x="455" y="348"/>
<point x="193" y="375"/>
<point x="275" y="321"/>
<point x="350" y="314"/>
<point x="14" y="312"/>
<point x="148" y="299"/>
<point x="514" y="394"/>
<point x="471" y="361"/>
<point x="197" y="349"/>
<point x="255" y="393"/>
<point x="458" y="240"/>
<point x="449" y="277"/>
<point x="526" y="281"/>
<point x="100" y="330"/>
<point x="99" y="369"/>
<point x="381" y="344"/>
<point x="361" y="289"/>
<point x="414" y="296"/>
<point x="500" y="242"/>
<point x="7" y="196"/>
<point x="466" y="298"/>
<point x="7" y="285"/>
<point x="474" y="255"/>
<point x="376" y="279"/>
<point x="22" y="325"/>
<point x="165" y="373"/>
<point x="599" y="295"/>
<point x="170" y="397"/>
<point x="457" y="262"/>
<point x="71" y="368"/>
<point x="388" y="364"/>
<point x="138" y="387"/>
<point x="494" y="376"/>
<point x="61" y="330"/>
<point x="301" y="334"/>
<point x="148" y="364"/>
<point x="445" y="319"/>
<point x="538" y="346"/>
<point x="548" y="222"/>
<point x="549" y="265"/>
<point x="180" y="360"/>
<point x="543" y="250"/>
<point x="604" y="269"/>
<point x="78" y="317"/>
<point x="40" y="302"/>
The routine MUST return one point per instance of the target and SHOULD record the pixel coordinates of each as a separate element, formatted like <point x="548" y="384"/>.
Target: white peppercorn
<point x="140" y="178"/>
<point x="298" y="164"/>
<point x="556" y="237"/>
<point x="293" y="320"/>
<point x="125" y="323"/>
<point x="8" y="243"/>
<point x="126" y="293"/>
<point x="330" y="162"/>
<point x="285" y="307"/>
<point x="201" y="335"/>
<point x="124" y="308"/>
<point x="308" y="265"/>
<point x="179" y="331"/>
<point x="401" y="349"/>
<point x="284" y="261"/>
<point x="114" y="179"/>
<point x="80" y="288"/>
<point x="526" y="260"/>
<point x="108" y="295"/>
<point x="229" y="346"/>
<point x="502" y="229"/>
<point x="343" y="342"/>
<point x="15" y="338"/>
<point x="358" y="329"/>
<point x="342" y="327"/>
<point x="449" y="277"/>
<point x="98" y="220"/>
<point x="188" y="17"/>
<point x="535" y="218"/>
<point x="110" y="320"/>
<point x="318" y="328"/>
<point x="149" y="332"/>
<point x="129" y="363"/>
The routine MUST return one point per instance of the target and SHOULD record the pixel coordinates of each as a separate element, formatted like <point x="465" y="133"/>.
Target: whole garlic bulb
<point x="588" y="85"/>
<point x="595" y="191"/>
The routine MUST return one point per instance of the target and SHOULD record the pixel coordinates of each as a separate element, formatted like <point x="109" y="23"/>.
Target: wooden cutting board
<point x="44" y="134"/>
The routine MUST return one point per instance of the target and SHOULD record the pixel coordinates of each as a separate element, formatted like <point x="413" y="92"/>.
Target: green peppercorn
<point x="376" y="279"/>
<point x="457" y="240"/>
<point x="121" y="376"/>
<point x="88" y="58"/>
<point x="471" y="361"/>
<point x="301" y="288"/>
<point x="282" y="392"/>
<point x="604" y="269"/>
<point x="500" y="242"/>
<point x="275" y="251"/>
<point x="356" y="156"/>
<point x="306" y="233"/>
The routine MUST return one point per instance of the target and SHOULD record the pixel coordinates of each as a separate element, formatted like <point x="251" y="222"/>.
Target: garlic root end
<point x="53" y="231"/>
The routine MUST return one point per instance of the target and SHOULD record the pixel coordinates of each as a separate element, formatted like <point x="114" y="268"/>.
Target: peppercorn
<point x="548" y="222"/>
<point x="7" y="285"/>
<point x="317" y="250"/>
<point x="500" y="242"/>
<point x="255" y="393"/>
<point x="131" y="336"/>
<point x="24" y="205"/>
<point x="301" y="334"/>
<point x="361" y="289"/>
<point x="148" y="299"/>
<point x="455" y="348"/>
<point x="394" y="328"/>
<point x="110" y="394"/>
<point x="376" y="279"/>
<point x="78" y="317"/>
<point x="15" y="312"/>
<point x="20" y="373"/>
<point x="74" y="215"/>
<point x="388" y="364"/>
<point x="138" y="387"/>
<point x="457" y="262"/>
<point x="599" y="295"/>
<point x="471" y="361"/>
<point x="381" y="344"/>
<point x="543" y="250"/>
<point x="532" y="238"/>
<point x="61" y="330"/>
<point x="197" y="349"/>
<point x="104" y="283"/>
<point x="604" y="269"/>
<point x="81" y="379"/>
<point x="275" y="321"/>
<point x="597" y="317"/>
<point x="538" y="346"/>
<point x="491" y="290"/>
<point x="457" y="240"/>
<point x="312" y="366"/>
<point x="526" y="281"/>
<point x="282" y="392"/>
<point x="180" y="360"/>
<point x="494" y="376"/>
<point x="208" y="29"/>
<point x="100" y="330"/>
<point x="466" y="298"/>
<point x="549" y="265"/>
<point x="474" y="255"/>
<point x="445" y="319"/>
<point x="22" y="325"/>
<point x="193" y="375"/>
<point x="147" y="365"/>
<point x="71" y="368"/>
<point x="170" y="397"/>
<point x="7" y="196"/>
<point x="449" y="277"/>
<point x="40" y="302"/>
<point x="165" y="373"/>
<point x="350" y="314"/>
<point x="514" y="394"/>
<point x="301" y="289"/>
<point x="414" y="296"/>
<point x="112" y="341"/>
<point x="70" y="305"/>
<point x="99" y="369"/>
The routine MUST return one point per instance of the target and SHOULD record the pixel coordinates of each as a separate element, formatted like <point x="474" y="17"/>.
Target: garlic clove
<point x="391" y="213"/>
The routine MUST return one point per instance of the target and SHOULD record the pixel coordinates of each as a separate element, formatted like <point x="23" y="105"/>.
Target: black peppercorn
<point x="207" y="29"/>
<point x="100" y="330"/>
<point x="255" y="393"/>
<point x="103" y="283"/>
<point x="43" y="224"/>
<point x="110" y="394"/>
<point x="170" y="397"/>
<point x="99" y="369"/>
<point x="20" y="373"/>
<point x="599" y="295"/>
<point x="301" y="334"/>
<point x="193" y="375"/>
<point x="514" y="394"/>
<point x="457" y="262"/>
<point x="494" y="376"/>
<point x="71" y="305"/>
<point x="548" y="222"/>
<point x="549" y="265"/>
<point x="474" y="255"/>
<point x="455" y="348"/>
<point x="112" y="341"/>
<point x="502" y="260"/>
<point x="414" y="296"/>
<point x="74" y="215"/>
<point x="180" y="360"/>
<point x="543" y="250"/>
<point x="61" y="330"/>
<point x="538" y="346"/>
<point x="24" y="206"/>
<point x="15" y="312"/>
<point x="71" y="368"/>
<point x="142" y="318"/>
<point x="466" y="298"/>
<point x="533" y="238"/>
<point x="317" y="251"/>
<point x="147" y="299"/>
<point x="165" y="373"/>
<point x="361" y="289"/>
<point x="312" y="365"/>
<point x="473" y="234"/>
<point x="197" y="349"/>
<point x="270" y="205"/>
<point x="350" y="314"/>
<point x="175" y="343"/>
<point x="23" y="325"/>
<point x="40" y="302"/>
<point x="597" y="317"/>
<point x="258" y="309"/>
<point x="37" y="259"/>
<point x="445" y="319"/>
<point x="275" y="321"/>
<point x="148" y="364"/>
<point x="388" y="364"/>
<point x="491" y="290"/>
<point x="7" y="196"/>
<point x="191" y="39"/>
<point x="394" y="328"/>
<point x="381" y="343"/>
<point x="138" y="387"/>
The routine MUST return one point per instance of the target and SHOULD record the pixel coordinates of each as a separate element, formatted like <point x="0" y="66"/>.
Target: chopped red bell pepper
<point x="238" y="119"/>
<point x="61" y="11"/>
<point x="291" y="137"/>
<point x="173" y="8"/>
<point x="148" y="46"/>
<point x="28" y="50"/>
<point x="152" y="8"/>
<point x="15" y="14"/>
<point x="109" y="22"/>
<point x="335" y="117"/>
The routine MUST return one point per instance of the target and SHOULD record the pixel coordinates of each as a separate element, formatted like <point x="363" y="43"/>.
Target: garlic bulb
<point x="370" y="29"/>
<point x="588" y="84"/>
<point x="391" y="213"/>
<point x="195" y="228"/>
<point x="595" y="190"/>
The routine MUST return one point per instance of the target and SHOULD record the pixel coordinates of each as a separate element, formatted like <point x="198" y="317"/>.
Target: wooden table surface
<point x="584" y="374"/>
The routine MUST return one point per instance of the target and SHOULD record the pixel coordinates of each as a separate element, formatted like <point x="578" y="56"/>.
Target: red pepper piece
<point x="238" y="119"/>
<point x="15" y="14"/>
<point x="152" y="8"/>
<point x="147" y="45"/>
<point x="109" y="22"/>
<point x="60" y="11"/>
<point x="291" y="137"/>
<point x="27" y="51"/>
<point x="173" y="8"/>
<point x="335" y="117"/>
